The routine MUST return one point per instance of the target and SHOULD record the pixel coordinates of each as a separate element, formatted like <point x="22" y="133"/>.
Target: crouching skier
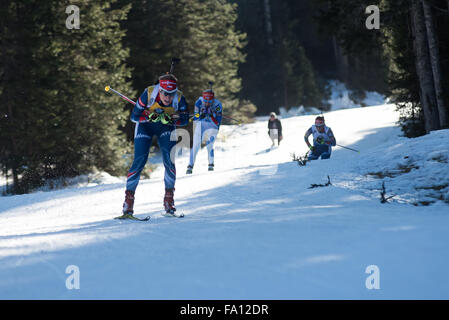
<point x="159" y="110"/>
<point x="206" y="120"/>
<point x="323" y="140"/>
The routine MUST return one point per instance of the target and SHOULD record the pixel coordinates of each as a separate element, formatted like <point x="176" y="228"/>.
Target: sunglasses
<point x="166" y="94"/>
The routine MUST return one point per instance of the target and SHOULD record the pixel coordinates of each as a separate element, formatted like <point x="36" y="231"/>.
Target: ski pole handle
<point x="108" y="88"/>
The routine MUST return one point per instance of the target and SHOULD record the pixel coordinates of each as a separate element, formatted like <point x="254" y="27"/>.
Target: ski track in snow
<point x="252" y="229"/>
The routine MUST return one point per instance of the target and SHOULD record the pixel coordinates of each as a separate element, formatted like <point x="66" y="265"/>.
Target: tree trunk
<point x="423" y="68"/>
<point x="435" y="62"/>
<point x="14" y="167"/>
<point x="341" y="61"/>
<point x="11" y="71"/>
<point x="268" y="26"/>
<point x="284" y="80"/>
<point x="284" y="63"/>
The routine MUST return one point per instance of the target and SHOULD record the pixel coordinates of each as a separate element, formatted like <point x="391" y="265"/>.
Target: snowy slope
<point x="253" y="228"/>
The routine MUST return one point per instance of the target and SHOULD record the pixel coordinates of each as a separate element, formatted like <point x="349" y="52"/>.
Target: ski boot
<point x="169" y="205"/>
<point x="189" y="169"/>
<point x="169" y="202"/>
<point x="127" y="212"/>
<point x="211" y="167"/>
<point x="128" y="204"/>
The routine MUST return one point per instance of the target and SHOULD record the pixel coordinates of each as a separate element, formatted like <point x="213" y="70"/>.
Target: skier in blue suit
<point x="158" y="111"/>
<point x="323" y="140"/>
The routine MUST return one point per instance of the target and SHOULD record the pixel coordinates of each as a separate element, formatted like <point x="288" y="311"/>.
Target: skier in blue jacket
<point x="323" y="140"/>
<point x="157" y="112"/>
<point x="206" y="121"/>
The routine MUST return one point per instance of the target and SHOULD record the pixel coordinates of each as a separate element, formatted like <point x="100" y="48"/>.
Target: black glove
<point x="312" y="148"/>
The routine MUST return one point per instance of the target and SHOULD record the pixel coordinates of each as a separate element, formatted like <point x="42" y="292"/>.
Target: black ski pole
<point x="239" y="122"/>
<point x="348" y="148"/>
<point x="174" y="61"/>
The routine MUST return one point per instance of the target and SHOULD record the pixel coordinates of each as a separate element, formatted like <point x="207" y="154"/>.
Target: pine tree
<point x="60" y="121"/>
<point x="13" y="81"/>
<point x="412" y="44"/>
<point x="300" y="82"/>
<point x="202" y="34"/>
<point x="279" y="70"/>
<point x="434" y="53"/>
<point x="213" y="52"/>
<point x="403" y="80"/>
<point x="423" y="68"/>
<point x="153" y="33"/>
<point x="302" y="86"/>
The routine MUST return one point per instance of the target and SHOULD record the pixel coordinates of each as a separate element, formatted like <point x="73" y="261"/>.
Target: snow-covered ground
<point x="253" y="228"/>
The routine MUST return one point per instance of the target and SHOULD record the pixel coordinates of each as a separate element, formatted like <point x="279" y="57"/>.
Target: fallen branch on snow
<point x="302" y="161"/>
<point x="321" y="185"/>
<point x="383" y="192"/>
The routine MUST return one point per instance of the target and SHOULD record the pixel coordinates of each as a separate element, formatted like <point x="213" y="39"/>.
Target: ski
<point x="173" y="214"/>
<point x="129" y="216"/>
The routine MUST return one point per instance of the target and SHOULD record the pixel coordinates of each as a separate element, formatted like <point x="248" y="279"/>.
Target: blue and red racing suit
<point x="146" y="129"/>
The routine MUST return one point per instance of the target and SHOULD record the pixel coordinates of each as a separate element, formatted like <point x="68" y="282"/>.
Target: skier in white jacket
<point x="206" y="123"/>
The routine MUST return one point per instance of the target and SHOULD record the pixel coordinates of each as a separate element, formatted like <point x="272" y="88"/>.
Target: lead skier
<point x="157" y="112"/>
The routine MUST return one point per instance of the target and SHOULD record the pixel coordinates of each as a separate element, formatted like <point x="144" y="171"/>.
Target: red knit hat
<point x="208" y="95"/>
<point x="168" y="85"/>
